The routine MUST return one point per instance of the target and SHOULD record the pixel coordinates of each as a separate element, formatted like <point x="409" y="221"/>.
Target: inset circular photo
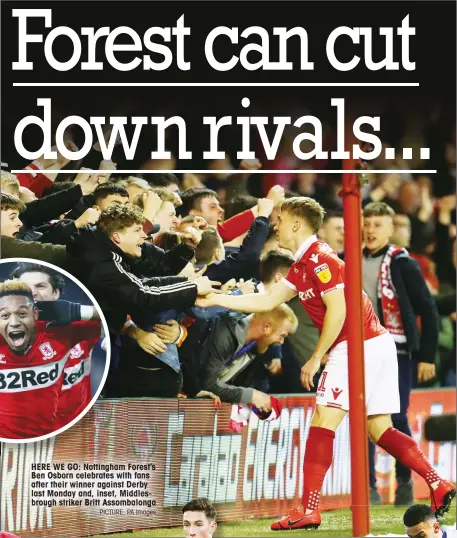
<point x="54" y="350"/>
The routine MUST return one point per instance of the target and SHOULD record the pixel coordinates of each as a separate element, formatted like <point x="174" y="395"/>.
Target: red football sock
<point x="406" y="451"/>
<point x="318" y="458"/>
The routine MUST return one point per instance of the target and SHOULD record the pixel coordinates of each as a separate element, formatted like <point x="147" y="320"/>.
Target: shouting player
<point x="48" y="285"/>
<point x="33" y="356"/>
<point x="317" y="276"/>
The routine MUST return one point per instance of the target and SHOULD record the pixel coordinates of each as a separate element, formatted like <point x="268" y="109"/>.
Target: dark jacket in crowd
<point x="50" y="207"/>
<point x="443" y="255"/>
<point x="244" y="263"/>
<point x="415" y="300"/>
<point x="10" y="247"/>
<point x="127" y="286"/>
<point x="205" y="352"/>
<point x="59" y="232"/>
<point x="81" y="206"/>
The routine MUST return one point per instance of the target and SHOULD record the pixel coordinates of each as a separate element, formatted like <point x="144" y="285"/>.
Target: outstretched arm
<point x="252" y="302"/>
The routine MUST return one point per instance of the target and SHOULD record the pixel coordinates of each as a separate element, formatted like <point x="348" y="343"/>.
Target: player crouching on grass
<point x="317" y="277"/>
<point x="33" y="355"/>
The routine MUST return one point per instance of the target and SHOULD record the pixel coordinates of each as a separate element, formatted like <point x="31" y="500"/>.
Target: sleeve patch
<point x="323" y="273"/>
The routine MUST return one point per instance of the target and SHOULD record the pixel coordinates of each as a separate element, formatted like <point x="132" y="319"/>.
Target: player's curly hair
<point x="201" y="504"/>
<point x="15" y="287"/>
<point x="56" y="280"/>
<point x="118" y="217"/>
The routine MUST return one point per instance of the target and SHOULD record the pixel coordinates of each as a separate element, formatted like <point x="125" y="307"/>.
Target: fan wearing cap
<point x="33" y="355"/>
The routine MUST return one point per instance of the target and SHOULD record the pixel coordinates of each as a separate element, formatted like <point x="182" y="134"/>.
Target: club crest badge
<point x="76" y="352"/>
<point x="47" y="351"/>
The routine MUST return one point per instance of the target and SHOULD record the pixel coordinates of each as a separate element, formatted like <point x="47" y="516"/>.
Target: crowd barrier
<point x="255" y="472"/>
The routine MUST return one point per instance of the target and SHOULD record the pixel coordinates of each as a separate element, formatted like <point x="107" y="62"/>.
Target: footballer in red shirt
<point x="76" y="393"/>
<point x="33" y="357"/>
<point x="49" y="285"/>
<point x="317" y="277"/>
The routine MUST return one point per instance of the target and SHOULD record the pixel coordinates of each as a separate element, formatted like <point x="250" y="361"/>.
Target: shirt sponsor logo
<point x="75" y="374"/>
<point x="323" y="273"/>
<point x="31" y="378"/>
<point x="307" y="294"/>
<point x="47" y="351"/>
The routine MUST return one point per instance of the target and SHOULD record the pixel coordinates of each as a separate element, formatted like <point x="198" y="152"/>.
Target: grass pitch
<point x="384" y="520"/>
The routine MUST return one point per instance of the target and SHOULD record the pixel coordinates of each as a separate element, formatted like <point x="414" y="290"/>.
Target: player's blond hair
<point x="9" y="183"/>
<point x="280" y="314"/>
<point x="15" y="287"/>
<point x="305" y="208"/>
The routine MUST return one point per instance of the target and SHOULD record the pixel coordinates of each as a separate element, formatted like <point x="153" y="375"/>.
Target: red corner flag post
<point x="352" y="208"/>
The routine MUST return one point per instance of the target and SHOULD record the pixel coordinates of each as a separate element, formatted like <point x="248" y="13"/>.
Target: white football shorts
<point x="381" y="377"/>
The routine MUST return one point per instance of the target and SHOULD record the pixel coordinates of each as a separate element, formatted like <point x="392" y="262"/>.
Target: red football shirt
<point x="30" y="384"/>
<point x="76" y="391"/>
<point x="316" y="271"/>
